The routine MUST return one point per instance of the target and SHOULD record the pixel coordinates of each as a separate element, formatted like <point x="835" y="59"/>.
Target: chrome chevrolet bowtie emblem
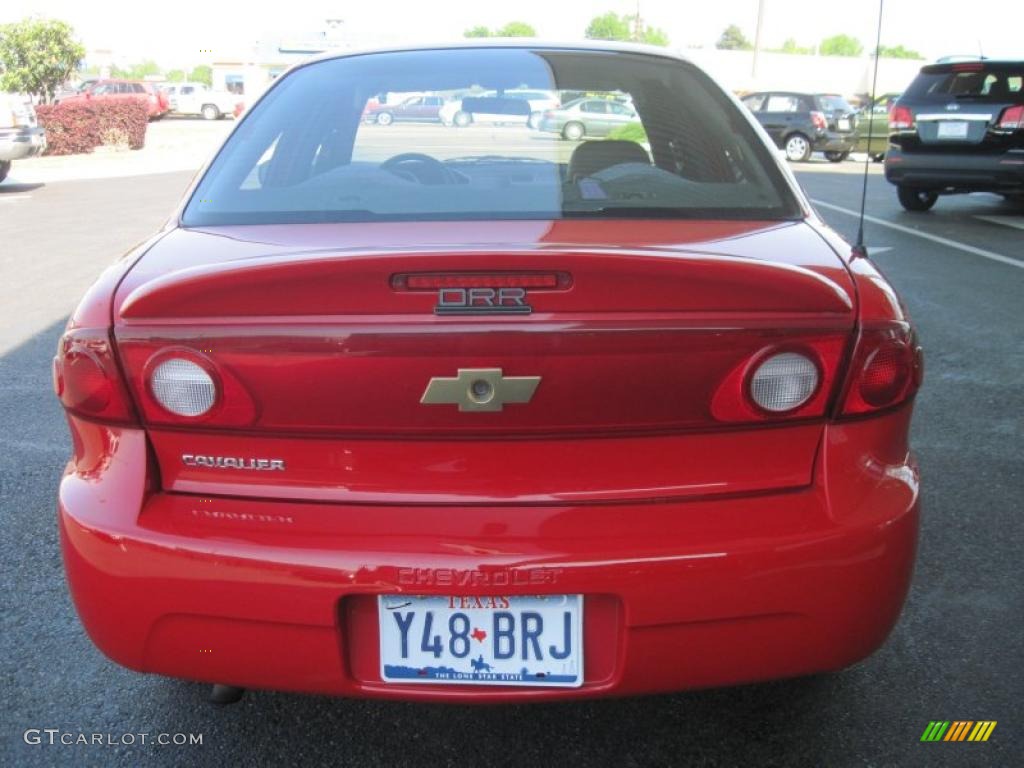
<point x="480" y="389"/>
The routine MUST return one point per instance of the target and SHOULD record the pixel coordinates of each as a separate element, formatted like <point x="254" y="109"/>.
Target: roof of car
<point x="510" y="42"/>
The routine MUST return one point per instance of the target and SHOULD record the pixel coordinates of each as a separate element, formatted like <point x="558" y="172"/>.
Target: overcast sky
<point x="174" y="33"/>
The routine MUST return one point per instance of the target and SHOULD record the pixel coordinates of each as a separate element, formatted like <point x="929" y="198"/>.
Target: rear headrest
<point x="593" y="156"/>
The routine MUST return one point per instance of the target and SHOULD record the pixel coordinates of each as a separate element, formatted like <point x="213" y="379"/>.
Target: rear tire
<point x="5" y="168"/>
<point x="573" y="131"/>
<point x="384" y="118"/>
<point x="210" y="112"/>
<point x="836" y="157"/>
<point x="798" y="148"/>
<point x="917" y="200"/>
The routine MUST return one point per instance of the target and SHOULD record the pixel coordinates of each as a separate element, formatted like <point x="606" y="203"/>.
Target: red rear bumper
<point x="679" y="594"/>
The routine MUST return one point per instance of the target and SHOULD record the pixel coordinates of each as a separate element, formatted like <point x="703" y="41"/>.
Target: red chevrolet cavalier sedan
<point x="488" y="414"/>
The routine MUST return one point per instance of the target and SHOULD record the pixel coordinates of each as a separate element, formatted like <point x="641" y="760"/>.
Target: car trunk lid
<point x="328" y="355"/>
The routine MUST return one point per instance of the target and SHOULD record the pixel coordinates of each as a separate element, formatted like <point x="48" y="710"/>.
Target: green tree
<point x="37" y="56"/>
<point x="477" y="32"/>
<point x="609" y="26"/>
<point x="517" y="29"/>
<point x="733" y="39"/>
<point x="139" y="71"/>
<point x="176" y="76"/>
<point x="201" y="74"/>
<point x="790" y="46"/>
<point x="612" y="26"/>
<point x="653" y="36"/>
<point x="840" y="45"/>
<point x="897" y="52"/>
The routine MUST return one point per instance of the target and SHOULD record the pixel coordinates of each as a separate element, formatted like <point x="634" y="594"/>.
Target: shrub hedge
<point x="80" y="126"/>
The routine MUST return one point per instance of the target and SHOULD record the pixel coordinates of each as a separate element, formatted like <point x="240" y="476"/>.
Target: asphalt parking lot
<point x="956" y="653"/>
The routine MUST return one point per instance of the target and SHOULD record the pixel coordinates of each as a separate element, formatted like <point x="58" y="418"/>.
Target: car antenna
<point x="859" y="249"/>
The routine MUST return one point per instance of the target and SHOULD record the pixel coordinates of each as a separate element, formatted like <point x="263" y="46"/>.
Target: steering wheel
<point x="423" y="168"/>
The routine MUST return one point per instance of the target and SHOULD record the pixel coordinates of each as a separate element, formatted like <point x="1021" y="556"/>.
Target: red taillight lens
<point x="900" y="118"/>
<point x="552" y="281"/>
<point x="784" y="382"/>
<point x="886" y="370"/>
<point x="87" y="380"/>
<point x="819" y="121"/>
<point x="1012" y="118"/>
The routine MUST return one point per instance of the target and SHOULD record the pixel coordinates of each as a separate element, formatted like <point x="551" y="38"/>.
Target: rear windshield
<point x="834" y="103"/>
<point x="973" y="82"/>
<point x="446" y="134"/>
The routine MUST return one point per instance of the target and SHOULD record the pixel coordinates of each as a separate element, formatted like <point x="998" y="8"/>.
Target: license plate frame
<point x="952" y="130"/>
<point x="490" y="638"/>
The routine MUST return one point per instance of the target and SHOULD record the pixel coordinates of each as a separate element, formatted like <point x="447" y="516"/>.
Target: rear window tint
<point x="314" y="148"/>
<point x="985" y="84"/>
<point x="835" y="103"/>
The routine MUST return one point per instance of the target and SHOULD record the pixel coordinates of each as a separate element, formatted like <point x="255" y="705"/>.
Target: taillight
<point x="87" y="380"/>
<point x="900" y="118"/>
<point x="819" y="121"/>
<point x="183" y="387"/>
<point x="781" y="382"/>
<point x="1012" y="118"/>
<point x="181" y="384"/>
<point x="886" y="370"/>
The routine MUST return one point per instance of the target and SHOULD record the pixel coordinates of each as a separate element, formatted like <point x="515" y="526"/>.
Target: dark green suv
<point x="873" y="126"/>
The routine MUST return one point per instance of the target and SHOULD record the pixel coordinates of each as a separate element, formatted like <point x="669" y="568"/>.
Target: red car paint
<point x="156" y="101"/>
<point x="713" y="543"/>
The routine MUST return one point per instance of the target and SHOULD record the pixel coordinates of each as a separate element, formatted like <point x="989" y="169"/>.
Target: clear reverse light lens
<point x="784" y="382"/>
<point x="182" y="387"/>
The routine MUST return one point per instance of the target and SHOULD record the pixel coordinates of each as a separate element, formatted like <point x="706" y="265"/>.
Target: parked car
<point x="417" y="108"/>
<point x="21" y="135"/>
<point x="873" y="122"/>
<point x="452" y="113"/>
<point x="958" y="128"/>
<point x="200" y="99"/>
<point x="157" y="102"/>
<point x="804" y="123"/>
<point x="494" y="425"/>
<point x="587" y="117"/>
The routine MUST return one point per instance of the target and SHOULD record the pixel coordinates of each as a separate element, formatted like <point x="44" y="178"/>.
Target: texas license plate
<point x="949" y="129"/>
<point x="458" y="640"/>
<point x="844" y="124"/>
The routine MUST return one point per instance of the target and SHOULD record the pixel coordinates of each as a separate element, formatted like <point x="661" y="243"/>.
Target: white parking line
<point x="1016" y="222"/>
<point x="927" y="236"/>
